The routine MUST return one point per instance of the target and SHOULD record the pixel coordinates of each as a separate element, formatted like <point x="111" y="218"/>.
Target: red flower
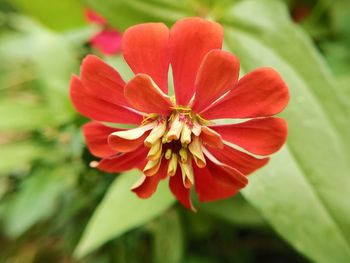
<point x="108" y="40"/>
<point x="176" y="137"/>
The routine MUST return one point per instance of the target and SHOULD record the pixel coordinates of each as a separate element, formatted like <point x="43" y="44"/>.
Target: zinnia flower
<point x="108" y="40"/>
<point x="177" y="137"/>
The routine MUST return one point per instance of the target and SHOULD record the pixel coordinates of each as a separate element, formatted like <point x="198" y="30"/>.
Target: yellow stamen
<point x="156" y="151"/>
<point x="176" y="139"/>
<point x="156" y="134"/>
<point x="186" y="135"/>
<point x="187" y="173"/>
<point x="149" y="117"/>
<point x="152" y="167"/>
<point x="175" y="129"/>
<point x="196" y="149"/>
<point x="202" y="121"/>
<point x="183" y="154"/>
<point x="181" y="108"/>
<point x="172" y="167"/>
<point x="168" y="154"/>
<point x="196" y="129"/>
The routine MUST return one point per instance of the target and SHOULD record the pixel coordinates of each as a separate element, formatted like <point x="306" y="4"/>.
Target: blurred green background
<point x="55" y="208"/>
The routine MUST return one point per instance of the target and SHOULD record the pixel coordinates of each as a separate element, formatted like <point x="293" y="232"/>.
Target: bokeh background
<point x="55" y="208"/>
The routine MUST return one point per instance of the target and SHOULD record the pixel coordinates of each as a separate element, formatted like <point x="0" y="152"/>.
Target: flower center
<point x="175" y="140"/>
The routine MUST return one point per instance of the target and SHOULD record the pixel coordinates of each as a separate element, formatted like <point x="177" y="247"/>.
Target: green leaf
<point x="24" y="116"/>
<point x="338" y="56"/>
<point x="58" y="15"/>
<point x="316" y="159"/>
<point x="344" y="82"/>
<point x="37" y="48"/>
<point x="340" y="16"/>
<point x="36" y="199"/>
<point x="235" y="210"/>
<point x="168" y="238"/>
<point x="120" y="211"/>
<point x="132" y="12"/>
<point x="286" y="198"/>
<point x="120" y="64"/>
<point x="18" y="156"/>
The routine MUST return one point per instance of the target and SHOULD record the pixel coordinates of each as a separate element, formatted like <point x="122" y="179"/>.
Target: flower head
<point x="108" y="40"/>
<point x="178" y="137"/>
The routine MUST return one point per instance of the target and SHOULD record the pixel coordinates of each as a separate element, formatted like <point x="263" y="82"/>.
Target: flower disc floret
<point x="175" y="140"/>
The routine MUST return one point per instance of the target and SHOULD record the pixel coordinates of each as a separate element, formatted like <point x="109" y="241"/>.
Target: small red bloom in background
<point x="300" y="11"/>
<point x="108" y="40"/>
<point x="177" y="137"/>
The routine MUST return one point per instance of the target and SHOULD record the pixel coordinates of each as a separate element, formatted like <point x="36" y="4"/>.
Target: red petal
<point x="108" y="41"/>
<point x="129" y="143"/>
<point x="147" y="185"/>
<point x="102" y="81"/>
<point x="180" y="191"/>
<point x="223" y="172"/>
<point x="209" y="188"/>
<point x="96" y="136"/>
<point x="124" y="161"/>
<point x="98" y="109"/>
<point x="211" y="138"/>
<point x="126" y="145"/>
<point x="145" y="49"/>
<point x="243" y="162"/>
<point x="144" y="95"/>
<point x="93" y="17"/>
<point x="190" y="40"/>
<point x="259" y="136"/>
<point x="217" y="75"/>
<point x="261" y="93"/>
